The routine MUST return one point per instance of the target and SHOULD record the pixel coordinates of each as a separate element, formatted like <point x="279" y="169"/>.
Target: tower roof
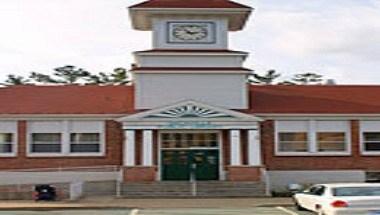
<point x="142" y="13"/>
<point x="189" y="4"/>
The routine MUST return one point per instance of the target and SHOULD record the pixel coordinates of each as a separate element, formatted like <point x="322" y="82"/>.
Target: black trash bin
<point x="45" y="192"/>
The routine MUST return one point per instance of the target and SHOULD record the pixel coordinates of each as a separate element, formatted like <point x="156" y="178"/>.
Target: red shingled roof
<point x="120" y="100"/>
<point x="189" y="4"/>
<point x="66" y="100"/>
<point x="191" y="68"/>
<point x="315" y="99"/>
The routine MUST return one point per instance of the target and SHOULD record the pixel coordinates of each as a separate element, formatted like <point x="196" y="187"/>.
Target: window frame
<point x="43" y="154"/>
<point x="10" y="127"/>
<point x="363" y="145"/>
<point x="65" y="129"/>
<point x="13" y="144"/>
<point x="372" y="126"/>
<point x="318" y="142"/>
<point x="78" y="154"/>
<point x="312" y="131"/>
<point x="278" y="147"/>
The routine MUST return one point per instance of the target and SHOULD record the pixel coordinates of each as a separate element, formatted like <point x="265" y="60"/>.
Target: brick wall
<point x="244" y="173"/>
<point x="352" y="162"/>
<point x="113" y="156"/>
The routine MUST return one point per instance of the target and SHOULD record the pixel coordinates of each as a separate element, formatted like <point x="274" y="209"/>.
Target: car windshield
<point x="356" y="191"/>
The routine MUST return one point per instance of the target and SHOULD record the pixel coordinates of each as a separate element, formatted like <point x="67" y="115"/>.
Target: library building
<point x="190" y="117"/>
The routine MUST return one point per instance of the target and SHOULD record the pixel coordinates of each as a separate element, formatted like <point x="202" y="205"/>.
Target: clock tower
<point x="190" y="59"/>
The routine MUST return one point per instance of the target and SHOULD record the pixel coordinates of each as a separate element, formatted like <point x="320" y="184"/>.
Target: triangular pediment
<point x="190" y="110"/>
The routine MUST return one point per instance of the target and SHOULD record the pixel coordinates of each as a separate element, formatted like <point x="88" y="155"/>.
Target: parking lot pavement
<point x="236" y="211"/>
<point x="255" y="211"/>
<point x="69" y="212"/>
<point x="182" y="211"/>
<point x="294" y="211"/>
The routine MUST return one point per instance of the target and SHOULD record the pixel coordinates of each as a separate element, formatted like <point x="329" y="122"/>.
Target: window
<point x="317" y="191"/>
<point x="293" y="142"/>
<point x="6" y="143"/>
<point x="85" y="143"/>
<point x="46" y="143"/>
<point x="371" y="141"/>
<point x="331" y="141"/>
<point x="357" y="191"/>
<point x="313" y="137"/>
<point x="66" y="138"/>
<point x="189" y="140"/>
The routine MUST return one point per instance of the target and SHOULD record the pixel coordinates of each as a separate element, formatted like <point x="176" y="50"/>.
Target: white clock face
<point x="191" y="32"/>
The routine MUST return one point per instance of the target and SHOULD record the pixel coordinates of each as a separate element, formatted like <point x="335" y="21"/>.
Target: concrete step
<point x="186" y="189"/>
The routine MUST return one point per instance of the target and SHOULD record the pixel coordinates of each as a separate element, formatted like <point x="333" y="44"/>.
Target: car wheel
<point x="299" y="207"/>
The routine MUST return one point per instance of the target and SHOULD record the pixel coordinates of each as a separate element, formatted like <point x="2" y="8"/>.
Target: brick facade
<point x="113" y="154"/>
<point x="139" y="174"/>
<point x="243" y="173"/>
<point x="356" y="161"/>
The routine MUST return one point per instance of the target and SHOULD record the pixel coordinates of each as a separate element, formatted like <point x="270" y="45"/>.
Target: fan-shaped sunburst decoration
<point x="189" y="111"/>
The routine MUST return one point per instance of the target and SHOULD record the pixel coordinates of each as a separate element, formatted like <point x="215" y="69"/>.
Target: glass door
<point x="185" y="153"/>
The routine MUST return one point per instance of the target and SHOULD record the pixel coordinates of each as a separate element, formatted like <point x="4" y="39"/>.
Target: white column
<point x="147" y="151"/>
<point x="235" y="147"/>
<point x="254" y="148"/>
<point x="312" y="136"/>
<point x="129" y="148"/>
<point x="66" y="138"/>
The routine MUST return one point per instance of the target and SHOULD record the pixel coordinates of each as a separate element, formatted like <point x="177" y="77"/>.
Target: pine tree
<point x="268" y="78"/>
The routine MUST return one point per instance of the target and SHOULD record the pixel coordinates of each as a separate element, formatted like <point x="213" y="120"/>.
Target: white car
<point x="340" y="199"/>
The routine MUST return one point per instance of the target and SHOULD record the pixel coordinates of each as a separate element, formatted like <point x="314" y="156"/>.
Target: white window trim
<point x="362" y="144"/>
<point x="14" y="146"/>
<point x="313" y="143"/>
<point x="10" y="127"/>
<point x="39" y="154"/>
<point x="65" y="144"/>
<point x="102" y="142"/>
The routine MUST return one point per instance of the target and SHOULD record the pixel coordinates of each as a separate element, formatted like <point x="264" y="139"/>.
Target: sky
<point x="339" y="39"/>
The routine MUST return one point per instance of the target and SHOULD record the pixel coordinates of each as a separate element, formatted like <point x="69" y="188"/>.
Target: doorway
<point x="189" y="154"/>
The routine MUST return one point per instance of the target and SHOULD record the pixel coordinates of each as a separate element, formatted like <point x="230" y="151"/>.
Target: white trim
<point x="362" y="141"/>
<point x="254" y="148"/>
<point x="312" y="137"/>
<point x="213" y="127"/>
<point x="147" y="149"/>
<point x="66" y="138"/>
<point x="235" y="114"/>
<point x="313" y="143"/>
<point x="14" y="131"/>
<point x="129" y="148"/>
<point x="233" y="119"/>
<point x="235" y="147"/>
<point x="65" y="133"/>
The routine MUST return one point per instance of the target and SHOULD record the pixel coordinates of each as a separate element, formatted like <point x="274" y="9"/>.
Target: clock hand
<point x="191" y="32"/>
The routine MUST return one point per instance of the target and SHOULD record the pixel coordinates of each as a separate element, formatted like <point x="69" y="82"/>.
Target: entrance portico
<point x="176" y="141"/>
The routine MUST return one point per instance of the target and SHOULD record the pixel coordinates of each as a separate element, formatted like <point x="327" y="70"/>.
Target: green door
<point x="175" y="165"/>
<point x="206" y="164"/>
<point x="178" y="165"/>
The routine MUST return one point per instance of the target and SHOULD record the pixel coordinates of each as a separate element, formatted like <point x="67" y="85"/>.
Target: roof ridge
<point x="189" y="4"/>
